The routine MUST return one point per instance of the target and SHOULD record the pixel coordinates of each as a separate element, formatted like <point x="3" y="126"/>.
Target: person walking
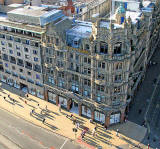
<point x="59" y="105"/>
<point x="77" y="125"/>
<point x="117" y="134"/>
<point x="94" y="132"/>
<point x="43" y="121"/>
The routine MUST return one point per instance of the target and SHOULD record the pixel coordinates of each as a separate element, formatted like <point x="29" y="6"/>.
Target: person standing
<point x="59" y="105"/>
<point x="117" y="134"/>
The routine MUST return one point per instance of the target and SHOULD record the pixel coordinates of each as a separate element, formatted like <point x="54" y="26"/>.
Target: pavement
<point x="17" y="133"/>
<point x="130" y="134"/>
<point x="148" y="100"/>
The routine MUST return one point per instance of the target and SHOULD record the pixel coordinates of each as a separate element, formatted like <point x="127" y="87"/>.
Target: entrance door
<point x="24" y="87"/>
<point x="115" y="118"/>
<point x="74" y="107"/>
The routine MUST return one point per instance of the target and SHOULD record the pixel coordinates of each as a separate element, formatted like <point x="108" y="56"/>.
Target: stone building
<point x="21" y="32"/>
<point x="90" y="68"/>
<point x="94" y="69"/>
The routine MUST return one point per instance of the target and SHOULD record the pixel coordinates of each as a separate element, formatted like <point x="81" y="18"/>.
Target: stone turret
<point x="120" y="14"/>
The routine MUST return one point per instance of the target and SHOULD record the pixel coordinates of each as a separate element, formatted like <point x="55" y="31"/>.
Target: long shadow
<point x="38" y="118"/>
<point x="50" y="126"/>
<point x="102" y="140"/>
<point x="31" y="106"/>
<point x="104" y="130"/>
<point x="9" y="102"/>
<point x="80" y="119"/>
<point x="4" y="93"/>
<point x="19" y="105"/>
<point x="104" y="135"/>
<point x="38" y="115"/>
<point x="21" y="98"/>
<point x="49" y="111"/>
<point x="33" y="100"/>
<point x="89" y="141"/>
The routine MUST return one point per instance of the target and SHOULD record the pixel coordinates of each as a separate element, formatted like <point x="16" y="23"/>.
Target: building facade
<point x="89" y="68"/>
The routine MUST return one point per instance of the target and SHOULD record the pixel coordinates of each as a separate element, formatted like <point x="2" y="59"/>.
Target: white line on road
<point x="63" y="144"/>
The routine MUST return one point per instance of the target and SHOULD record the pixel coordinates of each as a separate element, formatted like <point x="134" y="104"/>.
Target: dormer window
<point x="87" y="46"/>
<point x="76" y="42"/>
<point x="117" y="48"/>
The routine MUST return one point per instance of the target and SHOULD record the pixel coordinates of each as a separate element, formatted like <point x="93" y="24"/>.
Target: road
<point x="143" y="99"/>
<point x="24" y="135"/>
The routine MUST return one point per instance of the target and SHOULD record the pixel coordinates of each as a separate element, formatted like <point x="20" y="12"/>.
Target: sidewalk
<point x="129" y="133"/>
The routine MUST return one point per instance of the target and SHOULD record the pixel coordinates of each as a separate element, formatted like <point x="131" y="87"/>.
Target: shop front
<point x="115" y="118"/>
<point x="16" y="85"/>
<point x="4" y="79"/>
<point x="74" y="107"/>
<point x="52" y="97"/>
<point x="100" y="117"/>
<point x="63" y="101"/>
<point x="40" y="94"/>
<point x="86" y="111"/>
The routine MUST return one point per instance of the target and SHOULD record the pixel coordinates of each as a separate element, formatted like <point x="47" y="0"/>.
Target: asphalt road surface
<point x="20" y="134"/>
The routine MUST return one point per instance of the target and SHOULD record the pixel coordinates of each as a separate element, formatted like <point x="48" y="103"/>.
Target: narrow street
<point x="143" y="99"/>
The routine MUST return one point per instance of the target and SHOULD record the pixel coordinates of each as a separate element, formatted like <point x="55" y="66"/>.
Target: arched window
<point x="118" y="48"/>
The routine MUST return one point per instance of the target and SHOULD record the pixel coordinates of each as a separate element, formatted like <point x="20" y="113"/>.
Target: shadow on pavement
<point x="50" y="126"/>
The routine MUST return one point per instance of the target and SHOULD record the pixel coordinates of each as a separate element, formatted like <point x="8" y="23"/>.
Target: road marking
<point x="63" y="144"/>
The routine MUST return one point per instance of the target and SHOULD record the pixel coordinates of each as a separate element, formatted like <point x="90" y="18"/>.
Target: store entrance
<point x="74" y="107"/>
<point x="24" y="87"/>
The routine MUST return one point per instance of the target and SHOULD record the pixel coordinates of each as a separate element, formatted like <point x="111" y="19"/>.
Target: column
<point x="45" y="94"/>
<point x="69" y="104"/>
<point x="57" y="100"/>
<point x="80" y="109"/>
<point x="92" y="115"/>
<point x="107" y="122"/>
<point x="122" y="117"/>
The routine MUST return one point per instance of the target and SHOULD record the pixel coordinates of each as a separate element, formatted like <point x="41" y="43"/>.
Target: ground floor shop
<point x="85" y="110"/>
<point x="23" y="85"/>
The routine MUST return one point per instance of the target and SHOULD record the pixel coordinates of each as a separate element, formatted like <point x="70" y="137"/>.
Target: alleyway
<point x="142" y="100"/>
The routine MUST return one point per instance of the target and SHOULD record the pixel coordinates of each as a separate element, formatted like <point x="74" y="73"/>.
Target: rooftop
<point x="29" y="11"/>
<point x="80" y="31"/>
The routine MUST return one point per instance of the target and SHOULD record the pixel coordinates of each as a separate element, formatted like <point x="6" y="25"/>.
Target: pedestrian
<point x="27" y="96"/>
<point x="74" y="121"/>
<point x="59" y="105"/>
<point x="8" y="96"/>
<point x="94" y="132"/>
<point x="38" y="104"/>
<point x="32" y="110"/>
<point x="43" y="120"/>
<point x="105" y="126"/>
<point x="117" y="134"/>
<point x="82" y="135"/>
<point x="77" y="125"/>
<point x="46" y="107"/>
<point x="25" y="102"/>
